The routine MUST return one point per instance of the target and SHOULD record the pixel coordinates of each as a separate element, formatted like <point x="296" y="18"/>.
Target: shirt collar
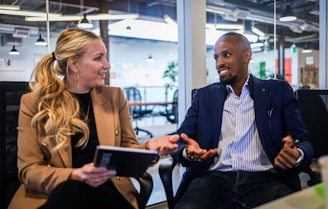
<point x="246" y="86"/>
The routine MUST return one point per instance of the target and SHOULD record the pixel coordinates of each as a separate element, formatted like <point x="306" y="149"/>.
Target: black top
<point x="81" y="156"/>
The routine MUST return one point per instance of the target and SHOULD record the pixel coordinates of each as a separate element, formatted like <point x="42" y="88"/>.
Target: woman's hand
<point x="94" y="176"/>
<point x="165" y="145"/>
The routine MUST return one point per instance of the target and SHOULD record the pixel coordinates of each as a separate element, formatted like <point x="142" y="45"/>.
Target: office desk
<point x="308" y="198"/>
<point x="138" y="103"/>
<point x="137" y="111"/>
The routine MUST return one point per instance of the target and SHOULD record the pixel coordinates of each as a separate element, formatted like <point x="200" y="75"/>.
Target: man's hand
<point x="288" y="155"/>
<point x="197" y="152"/>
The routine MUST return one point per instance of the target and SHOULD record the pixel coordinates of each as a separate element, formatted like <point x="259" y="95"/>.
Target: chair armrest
<point x="146" y="187"/>
<point x="165" y="173"/>
<point x="314" y="172"/>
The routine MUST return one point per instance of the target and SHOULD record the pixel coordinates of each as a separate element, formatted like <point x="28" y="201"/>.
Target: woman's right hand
<point x="94" y="176"/>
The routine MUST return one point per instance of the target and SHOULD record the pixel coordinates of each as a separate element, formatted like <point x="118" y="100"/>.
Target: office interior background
<point x="144" y="39"/>
<point x="150" y="30"/>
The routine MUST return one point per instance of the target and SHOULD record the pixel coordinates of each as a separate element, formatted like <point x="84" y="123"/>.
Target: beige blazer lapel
<point x="104" y="118"/>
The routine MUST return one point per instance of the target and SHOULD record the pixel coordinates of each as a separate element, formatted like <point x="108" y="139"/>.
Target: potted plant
<point x="171" y="71"/>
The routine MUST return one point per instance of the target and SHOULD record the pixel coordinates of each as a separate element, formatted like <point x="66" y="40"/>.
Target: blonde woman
<point x="68" y="112"/>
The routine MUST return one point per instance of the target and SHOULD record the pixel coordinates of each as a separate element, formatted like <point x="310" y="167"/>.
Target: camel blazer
<point x="40" y="169"/>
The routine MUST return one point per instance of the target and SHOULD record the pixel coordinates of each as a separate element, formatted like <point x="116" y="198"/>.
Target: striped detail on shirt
<point x="239" y="145"/>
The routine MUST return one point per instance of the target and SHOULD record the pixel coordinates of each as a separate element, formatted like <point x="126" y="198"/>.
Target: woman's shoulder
<point x="109" y="90"/>
<point x="30" y="97"/>
<point x="29" y="102"/>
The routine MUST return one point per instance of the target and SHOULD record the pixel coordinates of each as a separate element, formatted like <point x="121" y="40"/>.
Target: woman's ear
<point x="72" y="65"/>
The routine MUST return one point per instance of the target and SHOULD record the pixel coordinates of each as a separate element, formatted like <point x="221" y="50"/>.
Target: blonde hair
<point x="58" y="110"/>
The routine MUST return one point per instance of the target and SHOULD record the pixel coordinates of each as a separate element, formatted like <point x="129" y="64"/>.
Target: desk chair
<point x="313" y="105"/>
<point x="137" y="112"/>
<point x="165" y="173"/>
<point x="146" y="187"/>
<point x="10" y="94"/>
<point x="171" y="110"/>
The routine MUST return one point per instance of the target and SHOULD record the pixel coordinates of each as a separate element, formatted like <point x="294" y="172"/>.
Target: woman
<point x="68" y="113"/>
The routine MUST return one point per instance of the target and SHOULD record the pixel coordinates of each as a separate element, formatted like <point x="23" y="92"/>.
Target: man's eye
<point x="216" y="57"/>
<point x="227" y="54"/>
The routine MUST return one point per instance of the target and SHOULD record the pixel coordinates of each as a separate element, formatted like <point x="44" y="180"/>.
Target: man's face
<point x="231" y="59"/>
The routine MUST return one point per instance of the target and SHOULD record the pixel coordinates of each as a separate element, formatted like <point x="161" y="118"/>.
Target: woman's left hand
<point x="165" y="145"/>
<point x="94" y="176"/>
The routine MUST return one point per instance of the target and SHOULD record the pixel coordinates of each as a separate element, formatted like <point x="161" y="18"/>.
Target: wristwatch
<point x="300" y="159"/>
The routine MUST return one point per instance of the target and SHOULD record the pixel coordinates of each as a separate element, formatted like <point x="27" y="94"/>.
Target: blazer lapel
<point x="218" y="98"/>
<point x="104" y="118"/>
<point x="259" y="92"/>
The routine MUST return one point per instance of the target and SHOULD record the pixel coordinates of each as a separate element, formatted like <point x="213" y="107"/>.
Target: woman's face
<point x="91" y="68"/>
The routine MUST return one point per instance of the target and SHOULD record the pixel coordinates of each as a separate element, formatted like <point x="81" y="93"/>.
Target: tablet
<point x="130" y="162"/>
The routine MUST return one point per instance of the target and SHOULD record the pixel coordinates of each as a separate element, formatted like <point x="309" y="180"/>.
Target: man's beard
<point x="228" y="80"/>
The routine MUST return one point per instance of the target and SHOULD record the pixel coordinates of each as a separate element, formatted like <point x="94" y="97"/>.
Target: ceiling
<point x="303" y="31"/>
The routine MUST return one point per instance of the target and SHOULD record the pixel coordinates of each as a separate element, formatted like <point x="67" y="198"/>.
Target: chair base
<point x="137" y="130"/>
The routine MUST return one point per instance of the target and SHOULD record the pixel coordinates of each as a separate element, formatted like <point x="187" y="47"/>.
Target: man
<point x="243" y="139"/>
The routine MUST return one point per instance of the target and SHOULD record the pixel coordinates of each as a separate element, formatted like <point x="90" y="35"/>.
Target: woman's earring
<point x="76" y="79"/>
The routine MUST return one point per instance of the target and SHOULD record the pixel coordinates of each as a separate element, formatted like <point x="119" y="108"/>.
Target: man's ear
<point x="72" y="64"/>
<point x="247" y="56"/>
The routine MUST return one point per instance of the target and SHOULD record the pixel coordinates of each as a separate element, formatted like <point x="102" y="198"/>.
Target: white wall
<point x="21" y="65"/>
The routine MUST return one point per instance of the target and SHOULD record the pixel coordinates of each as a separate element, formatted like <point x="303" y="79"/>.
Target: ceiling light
<point x="306" y="49"/>
<point x="257" y="45"/>
<point x="150" y="59"/>
<point x="40" y="41"/>
<point x="25" y="13"/>
<point x="9" y="7"/>
<point x="14" y="51"/>
<point x="223" y="26"/>
<point x="84" y="22"/>
<point x="77" y="18"/>
<point x="257" y="31"/>
<point x="288" y="15"/>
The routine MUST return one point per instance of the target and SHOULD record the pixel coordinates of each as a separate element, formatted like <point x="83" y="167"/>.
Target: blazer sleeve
<point x="34" y="170"/>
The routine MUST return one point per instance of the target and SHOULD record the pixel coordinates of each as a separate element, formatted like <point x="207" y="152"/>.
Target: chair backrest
<point x="133" y="94"/>
<point x="313" y="104"/>
<point x="165" y="173"/>
<point x="10" y="94"/>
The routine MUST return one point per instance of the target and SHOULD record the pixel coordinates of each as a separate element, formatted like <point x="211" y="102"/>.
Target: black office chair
<point x="165" y="173"/>
<point x="146" y="187"/>
<point x="137" y="112"/>
<point x="313" y="104"/>
<point x="10" y="94"/>
<point x="171" y="110"/>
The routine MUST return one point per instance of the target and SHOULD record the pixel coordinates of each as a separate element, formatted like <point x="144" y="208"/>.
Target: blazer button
<point x="117" y="132"/>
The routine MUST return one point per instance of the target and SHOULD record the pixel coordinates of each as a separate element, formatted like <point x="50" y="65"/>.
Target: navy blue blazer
<point x="277" y="114"/>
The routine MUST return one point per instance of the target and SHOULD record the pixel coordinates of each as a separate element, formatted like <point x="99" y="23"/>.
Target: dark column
<point x="281" y="58"/>
<point x="103" y="25"/>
